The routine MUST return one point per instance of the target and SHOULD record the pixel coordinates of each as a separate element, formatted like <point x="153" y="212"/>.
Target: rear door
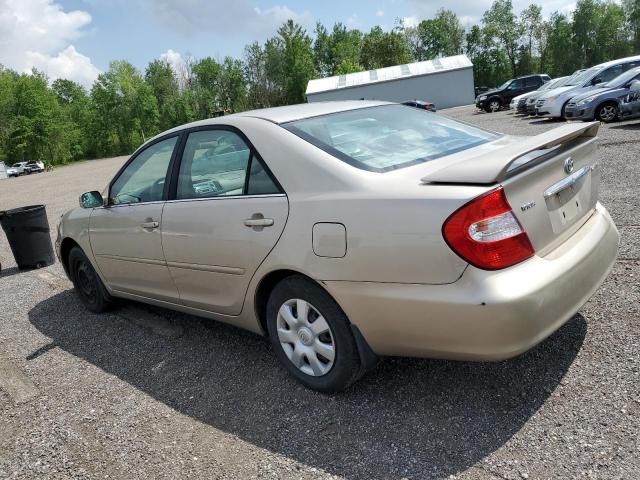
<point x="226" y="215"/>
<point x="532" y="83"/>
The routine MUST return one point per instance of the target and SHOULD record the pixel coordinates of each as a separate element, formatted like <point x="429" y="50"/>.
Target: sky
<point x="77" y="39"/>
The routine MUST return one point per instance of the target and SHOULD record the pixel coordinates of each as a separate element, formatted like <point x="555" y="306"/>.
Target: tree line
<point x="60" y="121"/>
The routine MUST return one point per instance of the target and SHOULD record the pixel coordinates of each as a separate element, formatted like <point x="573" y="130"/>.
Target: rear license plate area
<point x="570" y="199"/>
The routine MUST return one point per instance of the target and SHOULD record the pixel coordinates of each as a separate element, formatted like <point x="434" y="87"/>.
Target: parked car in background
<point x="494" y="100"/>
<point x="553" y="103"/>
<point x="420" y="104"/>
<point x="480" y="90"/>
<point x="348" y="230"/>
<point x="524" y="100"/>
<point x="34" y="167"/>
<point x="630" y="107"/>
<point x="17" y="169"/>
<point x="603" y="102"/>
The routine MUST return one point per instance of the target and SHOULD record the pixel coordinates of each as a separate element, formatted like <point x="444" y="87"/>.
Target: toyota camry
<point x="348" y="231"/>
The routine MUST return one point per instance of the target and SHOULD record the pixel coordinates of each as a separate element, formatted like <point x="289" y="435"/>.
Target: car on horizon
<point x="553" y="103"/>
<point x="494" y="100"/>
<point x="520" y="106"/>
<point x="420" y="104"/>
<point x="604" y="102"/>
<point x="34" y="167"/>
<point x="347" y="231"/>
<point x="17" y="169"/>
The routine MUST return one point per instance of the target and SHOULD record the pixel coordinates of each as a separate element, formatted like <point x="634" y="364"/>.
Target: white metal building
<point x="446" y="82"/>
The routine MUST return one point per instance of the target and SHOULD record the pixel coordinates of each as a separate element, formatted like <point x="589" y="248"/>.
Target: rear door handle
<point x="150" y="225"/>
<point x="258" y="222"/>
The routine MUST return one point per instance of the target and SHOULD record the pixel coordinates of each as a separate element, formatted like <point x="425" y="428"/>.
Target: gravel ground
<point x="145" y="392"/>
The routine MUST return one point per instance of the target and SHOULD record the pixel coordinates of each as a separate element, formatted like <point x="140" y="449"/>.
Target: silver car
<point x="346" y="231"/>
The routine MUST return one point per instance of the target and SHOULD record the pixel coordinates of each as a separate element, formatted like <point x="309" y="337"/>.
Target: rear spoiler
<point x="494" y="167"/>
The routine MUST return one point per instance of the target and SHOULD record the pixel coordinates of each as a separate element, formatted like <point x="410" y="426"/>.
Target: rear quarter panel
<point x="393" y="222"/>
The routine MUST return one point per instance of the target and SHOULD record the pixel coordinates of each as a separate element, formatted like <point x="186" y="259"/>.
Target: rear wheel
<point x="311" y="335"/>
<point x="493" y="105"/>
<point x="87" y="283"/>
<point x="607" y="112"/>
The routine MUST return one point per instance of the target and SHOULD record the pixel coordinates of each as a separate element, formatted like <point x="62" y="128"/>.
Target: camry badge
<point x="527" y="206"/>
<point x="568" y="165"/>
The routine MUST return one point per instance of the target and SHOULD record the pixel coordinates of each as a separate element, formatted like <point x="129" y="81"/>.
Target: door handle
<point x="150" y="225"/>
<point x="258" y="222"/>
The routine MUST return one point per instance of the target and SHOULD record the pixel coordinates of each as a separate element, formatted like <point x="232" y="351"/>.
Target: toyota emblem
<point x="568" y="165"/>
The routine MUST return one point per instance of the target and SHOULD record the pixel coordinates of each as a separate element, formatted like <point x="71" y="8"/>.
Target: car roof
<point x="305" y="110"/>
<point x="616" y="62"/>
<point x="280" y="115"/>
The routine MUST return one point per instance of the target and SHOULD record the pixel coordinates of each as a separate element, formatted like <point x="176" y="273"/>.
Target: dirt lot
<point x="149" y="393"/>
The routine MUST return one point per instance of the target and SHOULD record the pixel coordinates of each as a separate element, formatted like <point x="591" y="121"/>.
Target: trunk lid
<point x="550" y="180"/>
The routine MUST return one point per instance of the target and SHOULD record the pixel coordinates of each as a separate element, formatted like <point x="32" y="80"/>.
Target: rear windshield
<point x="388" y="137"/>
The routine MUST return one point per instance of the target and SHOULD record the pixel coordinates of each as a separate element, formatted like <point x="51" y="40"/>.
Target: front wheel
<point x="493" y="105"/>
<point x="311" y="335"/>
<point x="607" y="113"/>
<point x="87" y="283"/>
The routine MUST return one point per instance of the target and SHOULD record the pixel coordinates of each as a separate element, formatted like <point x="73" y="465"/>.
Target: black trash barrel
<point x="27" y="230"/>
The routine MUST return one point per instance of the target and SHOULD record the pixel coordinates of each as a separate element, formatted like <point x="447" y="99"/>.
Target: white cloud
<point x="472" y="11"/>
<point x="38" y="33"/>
<point x="380" y="13"/>
<point x="174" y="59"/>
<point x="238" y="17"/>
<point x="67" y="64"/>
<point x="410" y="21"/>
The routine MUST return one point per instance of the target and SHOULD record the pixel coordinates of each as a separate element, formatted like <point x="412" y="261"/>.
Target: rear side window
<point x="533" y="82"/>
<point x="388" y="137"/>
<point x="218" y="163"/>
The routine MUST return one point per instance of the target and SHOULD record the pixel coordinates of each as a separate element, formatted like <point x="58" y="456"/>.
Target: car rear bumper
<point x="484" y="315"/>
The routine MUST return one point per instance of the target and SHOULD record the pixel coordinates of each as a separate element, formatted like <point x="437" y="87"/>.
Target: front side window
<point x="215" y="163"/>
<point x="516" y="85"/>
<point x="388" y="137"/>
<point x="609" y="74"/>
<point x="143" y="179"/>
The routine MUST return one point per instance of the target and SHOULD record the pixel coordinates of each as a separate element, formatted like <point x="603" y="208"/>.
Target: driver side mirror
<point x="635" y="86"/>
<point x="91" y="199"/>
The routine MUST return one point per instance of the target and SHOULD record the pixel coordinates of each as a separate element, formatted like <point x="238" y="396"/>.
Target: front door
<point x="126" y="235"/>
<point x="227" y="215"/>
<point x="514" y="89"/>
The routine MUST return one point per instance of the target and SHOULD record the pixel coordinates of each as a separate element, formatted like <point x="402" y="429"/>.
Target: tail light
<point x="486" y="233"/>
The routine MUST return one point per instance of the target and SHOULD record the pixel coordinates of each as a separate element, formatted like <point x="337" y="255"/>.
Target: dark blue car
<point x="603" y="102"/>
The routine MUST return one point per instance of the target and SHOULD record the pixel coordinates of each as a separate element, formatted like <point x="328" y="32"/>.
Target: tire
<point x="493" y="105"/>
<point x="304" y="346"/>
<point x="607" y="112"/>
<point x="87" y="283"/>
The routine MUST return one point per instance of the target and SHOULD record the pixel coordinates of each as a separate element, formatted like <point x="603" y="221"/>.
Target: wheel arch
<point x="265" y="287"/>
<point x="65" y="248"/>
<point x="368" y="358"/>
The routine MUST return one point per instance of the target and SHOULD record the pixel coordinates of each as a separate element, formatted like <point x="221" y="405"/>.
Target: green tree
<point x="501" y="26"/>
<point x="632" y="15"/>
<point x="383" y="49"/>
<point x="296" y="58"/>
<point x="440" y="36"/>
<point x="163" y="82"/>
<point x="231" y="86"/>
